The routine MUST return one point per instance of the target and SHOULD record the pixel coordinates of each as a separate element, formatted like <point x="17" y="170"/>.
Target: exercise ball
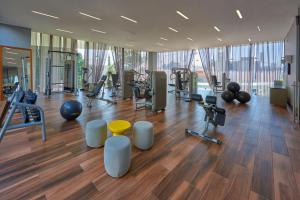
<point x="233" y="87"/>
<point x="70" y="109"/>
<point x="243" y="97"/>
<point x="227" y="96"/>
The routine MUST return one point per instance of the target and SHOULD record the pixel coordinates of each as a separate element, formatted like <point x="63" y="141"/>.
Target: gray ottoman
<point x="95" y="133"/>
<point x="117" y="155"/>
<point x="143" y="135"/>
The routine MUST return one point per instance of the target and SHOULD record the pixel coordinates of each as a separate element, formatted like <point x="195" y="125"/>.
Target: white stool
<point x="143" y="135"/>
<point x="117" y="156"/>
<point x="96" y="133"/>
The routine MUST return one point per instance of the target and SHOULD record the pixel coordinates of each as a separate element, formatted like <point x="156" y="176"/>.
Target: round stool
<point x="119" y="127"/>
<point x="117" y="155"/>
<point x="143" y="136"/>
<point x="96" y="133"/>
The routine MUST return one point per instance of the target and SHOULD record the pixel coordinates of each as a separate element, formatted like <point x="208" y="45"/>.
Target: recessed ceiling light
<point x="98" y="31"/>
<point x="258" y="28"/>
<point x="181" y="14"/>
<point x="249" y="39"/>
<point x="9" y="58"/>
<point x="220" y="39"/>
<point x="62" y="30"/>
<point x="189" y="39"/>
<point x="159" y="44"/>
<point x="238" y="12"/>
<point x="87" y="15"/>
<point x="165" y="39"/>
<point x="11" y="63"/>
<point x="129" y="19"/>
<point x="10" y="52"/>
<point x="172" y="29"/>
<point x="44" y="14"/>
<point x="217" y="29"/>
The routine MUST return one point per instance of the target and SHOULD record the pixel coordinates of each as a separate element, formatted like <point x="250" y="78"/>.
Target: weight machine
<point x="185" y="83"/>
<point x="151" y="92"/>
<point x="213" y="115"/>
<point x="68" y="69"/>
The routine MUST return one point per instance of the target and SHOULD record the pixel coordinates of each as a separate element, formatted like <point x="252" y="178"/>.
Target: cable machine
<point x="67" y="72"/>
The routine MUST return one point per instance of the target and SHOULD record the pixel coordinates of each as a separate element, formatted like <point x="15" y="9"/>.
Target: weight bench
<point x="33" y="115"/>
<point x="213" y="115"/>
<point x="98" y="87"/>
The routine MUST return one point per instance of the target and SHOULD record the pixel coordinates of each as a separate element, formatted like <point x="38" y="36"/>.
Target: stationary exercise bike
<point x="213" y="115"/>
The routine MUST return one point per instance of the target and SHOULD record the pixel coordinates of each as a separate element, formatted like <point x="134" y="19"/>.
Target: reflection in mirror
<point x="16" y="67"/>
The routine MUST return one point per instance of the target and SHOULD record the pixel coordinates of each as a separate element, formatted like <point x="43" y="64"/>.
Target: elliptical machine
<point x="213" y="115"/>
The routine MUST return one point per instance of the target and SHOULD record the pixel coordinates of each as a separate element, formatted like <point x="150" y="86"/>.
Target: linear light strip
<point x="9" y="58"/>
<point x="172" y="29"/>
<point x="181" y="14"/>
<point x="165" y="39"/>
<point x="258" y="28"/>
<point x="44" y="14"/>
<point x="129" y="19"/>
<point x="98" y="31"/>
<point x="189" y="39"/>
<point x="10" y="52"/>
<point x="217" y="28"/>
<point x="62" y="30"/>
<point x="90" y="16"/>
<point x="11" y="63"/>
<point x="238" y="12"/>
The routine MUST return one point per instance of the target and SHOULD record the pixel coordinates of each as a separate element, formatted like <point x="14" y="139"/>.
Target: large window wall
<point x="253" y="66"/>
<point x="97" y="57"/>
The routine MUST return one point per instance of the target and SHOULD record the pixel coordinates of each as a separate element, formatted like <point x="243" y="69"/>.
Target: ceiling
<point x="12" y="57"/>
<point x="154" y="17"/>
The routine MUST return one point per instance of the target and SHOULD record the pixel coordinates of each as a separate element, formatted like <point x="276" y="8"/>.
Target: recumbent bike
<point x="213" y="115"/>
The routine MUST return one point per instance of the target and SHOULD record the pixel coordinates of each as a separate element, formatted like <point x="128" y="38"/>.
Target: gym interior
<point x="149" y="100"/>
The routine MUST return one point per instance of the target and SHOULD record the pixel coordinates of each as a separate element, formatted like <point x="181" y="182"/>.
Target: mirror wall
<point x="15" y="66"/>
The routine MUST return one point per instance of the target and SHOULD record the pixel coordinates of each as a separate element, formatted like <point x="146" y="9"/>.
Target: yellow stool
<point x="119" y="127"/>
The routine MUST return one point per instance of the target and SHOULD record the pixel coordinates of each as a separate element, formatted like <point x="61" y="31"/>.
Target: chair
<point x="215" y="84"/>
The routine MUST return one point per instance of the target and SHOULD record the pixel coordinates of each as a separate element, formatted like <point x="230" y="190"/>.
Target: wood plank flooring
<point x="259" y="157"/>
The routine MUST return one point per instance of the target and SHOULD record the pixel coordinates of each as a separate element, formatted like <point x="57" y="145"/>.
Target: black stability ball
<point x="243" y="97"/>
<point x="233" y="87"/>
<point x="228" y="96"/>
<point x="70" y="109"/>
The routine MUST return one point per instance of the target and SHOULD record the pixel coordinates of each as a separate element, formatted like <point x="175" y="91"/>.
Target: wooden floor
<point x="259" y="157"/>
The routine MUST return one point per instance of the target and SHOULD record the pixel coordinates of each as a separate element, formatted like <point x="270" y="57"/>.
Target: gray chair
<point x="117" y="156"/>
<point x="143" y="135"/>
<point x="96" y="133"/>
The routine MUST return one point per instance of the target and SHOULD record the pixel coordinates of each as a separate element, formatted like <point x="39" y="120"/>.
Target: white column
<point x="152" y="61"/>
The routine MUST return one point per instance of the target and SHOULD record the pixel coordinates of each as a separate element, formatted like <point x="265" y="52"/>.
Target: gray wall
<point x="291" y="49"/>
<point x="15" y="36"/>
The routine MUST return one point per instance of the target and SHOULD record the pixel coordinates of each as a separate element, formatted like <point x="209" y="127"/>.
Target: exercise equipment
<point x="154" y="87"/>
<point x="234" y="92"/>
<point x="243" y="97"/>
<point x="98" y="89"/>
<point x="185" y="83"/>
<point x="70" y="109"/>
<point x="233" y="87"/>
<point x="228" y="96"/>
<point x="65" y="72"/>
<point x="213" y="115"/>
<point x="33" y="115"/>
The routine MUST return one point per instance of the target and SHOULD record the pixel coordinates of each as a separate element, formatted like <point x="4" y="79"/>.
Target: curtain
<point x="136" y="60"/>
<point x="174" y="59"/>
<point x="98" y="54"/>
<point x="253" y="66"/>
